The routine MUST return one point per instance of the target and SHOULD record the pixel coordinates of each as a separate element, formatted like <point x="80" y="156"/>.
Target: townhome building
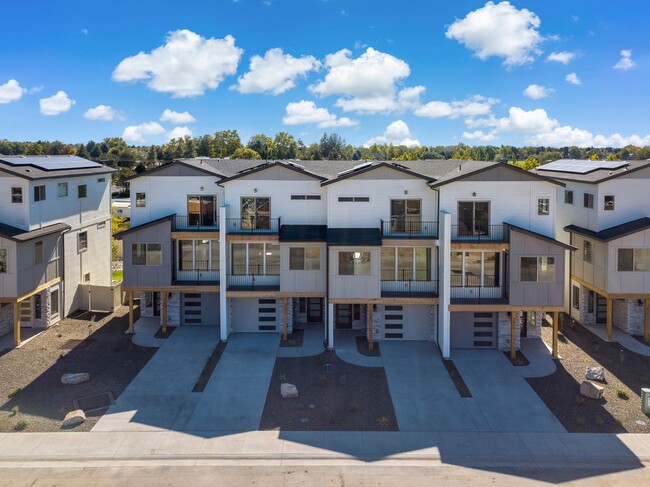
<point x="603" y="212"/>
<point x="55" y="236"/>
<point x="460" y="253"/>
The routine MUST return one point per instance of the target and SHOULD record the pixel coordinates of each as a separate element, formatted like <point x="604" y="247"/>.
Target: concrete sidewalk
<point x="622" y="338"/>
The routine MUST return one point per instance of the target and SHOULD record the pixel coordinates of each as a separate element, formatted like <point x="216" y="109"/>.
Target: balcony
<point x="472" y="292"/>
<point x="479" y="233"/>
<point x="405" y="228"/>
<point x="201" y="274"/>
<point x="195" y="223"/>
<point x="254" y="278"/>
<point x="253" y="225"/>
<point x="409" y="289"/>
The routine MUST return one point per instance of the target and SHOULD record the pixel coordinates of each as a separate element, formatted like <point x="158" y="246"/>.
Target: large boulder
<point x="591" y="390"/>
<point x="595" y="373"/>
<point x="288" y="390"/>
<point x="76" y="378"/>
<point x="73" y="418"/>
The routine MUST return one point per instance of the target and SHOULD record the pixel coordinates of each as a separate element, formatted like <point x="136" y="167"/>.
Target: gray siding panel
<point x="141" y="275"/>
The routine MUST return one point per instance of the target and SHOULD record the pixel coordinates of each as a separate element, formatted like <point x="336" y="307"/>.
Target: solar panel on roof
<point x="52" y="163"/>
<point x="580" y="166"/>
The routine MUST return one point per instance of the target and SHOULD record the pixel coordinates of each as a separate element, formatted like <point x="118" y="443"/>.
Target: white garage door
<point x="255" y="315"/>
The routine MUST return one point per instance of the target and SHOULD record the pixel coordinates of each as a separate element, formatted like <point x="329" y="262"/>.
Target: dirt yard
<point x="32" y="397"/>
<point x="619" y="410"/>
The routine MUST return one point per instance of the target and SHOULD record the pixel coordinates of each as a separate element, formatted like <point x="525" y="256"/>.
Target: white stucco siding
<point x="14" y="214"/>
<point x="630" y="201"/>
<point x="361" y="287"/>
<point x="632" y="282"/>
<point x="575" y="214"/>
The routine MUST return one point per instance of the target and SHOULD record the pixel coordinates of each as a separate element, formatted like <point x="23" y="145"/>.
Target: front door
<point x="523" y="333"/>
<point x="601" y="310"/>
<point x="314" y="310"/>
<point x="343" y="316"/>
<point x="156" y="304"/>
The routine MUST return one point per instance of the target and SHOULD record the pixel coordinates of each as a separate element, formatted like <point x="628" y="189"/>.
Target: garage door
<point x="255" y="315"/>
<point x="473" y="330"/>
<point x="200" y="309"/>
<point x="408" y="322"/>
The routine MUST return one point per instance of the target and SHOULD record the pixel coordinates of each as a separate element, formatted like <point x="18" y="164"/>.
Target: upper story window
<point x="201" y="209"/>
<point x="588" y="200"/>
<point x="304" y="259"/>
<point x="82" y="241"/>
<point x="608" y="202"/>
<point x="568" y="197"/>
<point x="305" y="197"/>
<point x="255" y="212"/>
<point x="586" y="251"/>
<point x="39" y="252"/>
<point x="62" y="190"/>
<point x="405" y="215"/>
<point x="473" y="218"/>
<point x="255" y="258"/>
<point x="637" y="260"/>
<point x="146" y="254"/>
<point x="543" y="206"/>
<point x="140" y="200"/>
<point x="39" y="193"/>
<point x="354" y="199"/>
<point x="3" y="261"/>
<point x="354" y="264"/>
<point x="16" y="195"/>
<point x="475" y="269"/>
<point x="81" y="191"/>
<point x="101" y="180"/>
<point x="537" y="269"/>
<point x="405" y="263"/>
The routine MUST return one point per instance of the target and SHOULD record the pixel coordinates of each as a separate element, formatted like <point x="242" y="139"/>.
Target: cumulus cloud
<point x="176" y="117"/>
<point x="409" y="98"/>
<point x="367" y="83"/>
<point x="102" y="112"/>
<point x="480" y="136"/>
<point x="56" y="104"/>
<point x="305" y="112"/>
<point x="137" y="133"/>
<point x="473" y="106"/>
<point x="185" y="66"/>
<point x="625" y="63"/>
<point x="11" y="91"/>
<point x="274" y="73"/>
<point x="535" y="92"/>
<point x="564" y="57"/>
<point x="397" y="133"/>
<point x="573" y="79"/>
<point x="179" y="133"/>
<point x="499" y="30"/>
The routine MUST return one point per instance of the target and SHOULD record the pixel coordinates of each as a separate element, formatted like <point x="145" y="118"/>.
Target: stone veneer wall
<point x="6" y="319"/>
<point x="504" y="331"/>
<point x="535" y="329"/>
<point x="586" y="318"/>
<point x="628" y="316"/>
<point x="145" y="310"/>
<point x="173" y="309"/>
<point x="377" y="322"/>
<point x="280" y="317"/>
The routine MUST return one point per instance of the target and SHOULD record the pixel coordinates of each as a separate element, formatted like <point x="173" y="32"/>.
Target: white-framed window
<point x="200" y="255"/>
<point x="537" y="269"/>
<point x="475" y="269"/>
<point x="304" y="258"/>
<point x="406" y="263"/>
<point x="543" y="206"/>
<point x="633" y="260"/>
<point x="140" y="200"/>
<point x="354" y="263"/>
<point x="82" y="242"/>
<point x="82" y="191"/>
<point x="568" y="197"/>
<point x="39" y="193"/>
<point x="146" y="254"/>
<point x="354" y="199"/>
<point x="62" y="190"/>
<point x="305" y="197"/>
<point x="255" y="258"/>
<point x="608" y="202"/>
<point x="587" y="253"/>
<point x="3" y="261"/>
<point x="588" y="201"/>
<point x="16" y="194"/>
<point x="39" y="252"/>
<point x="101" y="225"/>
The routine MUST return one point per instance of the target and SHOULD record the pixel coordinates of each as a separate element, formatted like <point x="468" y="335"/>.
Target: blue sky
<point x="413" y="72"/>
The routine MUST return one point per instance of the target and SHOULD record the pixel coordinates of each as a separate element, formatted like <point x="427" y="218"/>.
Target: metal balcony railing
<point x="471" y="290"/>
<point x="409" y="288"/>
<point x="196" y="223"/>
<point x="408" y="228"/>
<point x="254" y="278"/>
<point x="479" y="233"/>
<point x="253" y="225"/>
<point x="200" y="273"/>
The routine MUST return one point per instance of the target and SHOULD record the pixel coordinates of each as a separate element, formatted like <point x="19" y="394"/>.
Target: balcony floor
<point x="479" y="301"/>
<point x="254" y="288"/>
<point x="394" y="294"/>
<point x="194" y="283"/>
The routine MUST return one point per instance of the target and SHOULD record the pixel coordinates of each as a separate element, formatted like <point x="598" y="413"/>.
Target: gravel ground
<point x="350" y="398"/>
<point x="36" y="368"/>
<point x="579" y="348"/>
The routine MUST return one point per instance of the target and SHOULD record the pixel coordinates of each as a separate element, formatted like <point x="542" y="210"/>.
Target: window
<point x="405" y="215"/>
<point x="16" y="195"/>
<point x="354" y="199"/>
<point x="201" y="210"/>
<point x="146" y="254"/>
<point x="543" y="206"/>
<point x="62" y="190"/>
<point x="589" y="200"/>
<point x="82" y="241"/>
<point x="304" y="259"/>
<point x="87" y="277"/>
<point x="568" y="197"/>
<point x="39" y="252"/>
<point x="140" y="200"/>
<point x="3" y="261"/>
<point x="475" y="269"/>
<point x="637" y="260"/>
<point x="608" y="203"/>
<point x="354" y="263"/>
<point x="54" y="303"/>
<point x="101" y="225"/>
<point x="586" y="251"/>
<point x="255" y="259"/>
<point x="81" y="191"/>
<point x="198" y="255"/>
<point x="406" y="264"/>
<point x="39" y="193"/>
<point x="473" y="217"/>
<point x="537" y="269"/>
<point x="101" y="180"/>
<point x="255" y="213"/>
<point x="305" y="197"/>
<point x="575" y="297"/>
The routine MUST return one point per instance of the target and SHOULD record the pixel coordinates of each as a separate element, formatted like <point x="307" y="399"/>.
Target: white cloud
<point x="499" y="30"/>
<point x="625" y="63"/>
<point x="102" y="112"/>
<point x="367" y="83"/>
<point x="526" y="121"/>
<point x="473" y="106"/>
<point x="274" y="73"/>
<point x="56" y="104"/>
<point x="185" y="66"/>
<point x="573" y="79"/>
<point x="535" y="92"/>
<point x="409" y="98"/>
<point x="176" y="117"/>
<point x="137" y="133"/>
<point x="85" y="31"/>
<point x="306" y="112"/>
<point x="179" y="133"/>
<point x="480" y="136"/>
<point x="564" y="57"/>
<point x="11" y="91"/>
<point x="397" y="133"/>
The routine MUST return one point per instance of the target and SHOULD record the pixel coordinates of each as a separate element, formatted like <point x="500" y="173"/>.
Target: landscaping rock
<point x="77" y="378"/>
<point x="73" y="418"/>
<point x="595" y="373"/>
<point x="288" y="390"/>
<point x="591" y="390"/>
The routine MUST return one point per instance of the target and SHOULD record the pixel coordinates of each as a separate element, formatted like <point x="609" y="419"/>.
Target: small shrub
<point x="14" y="392"/>
<point x="622" y="394"/>
<point x="599" y="421"/>
<point x="15" y="410"/>
<point x="323" y="380"/>
<point x="353" y="407"/>
<point x="580" y="420"/>
<point x="21" y="425"/>
<point x="581" y="401"/>
<point x="383" y="421"/>
<point x="282" y="377"/>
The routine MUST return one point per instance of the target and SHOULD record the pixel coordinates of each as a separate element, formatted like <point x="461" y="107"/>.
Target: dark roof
<point x="303" y="233"/>
<point x="267" y="165"/>
<point x="121" y="234"/>
<point x="353" y="236"/>
<point x="612" y="233"/>
<point x="375" y="165"/>
<point x="47" y="167"/>
<point x="540" y="236"/>
<point x="465" y="169"/>
<point x="594" y="177"/>
<point x="19" y="235"/>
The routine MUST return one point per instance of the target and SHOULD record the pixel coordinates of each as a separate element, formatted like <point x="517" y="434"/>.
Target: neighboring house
<point x="121" y="208"/>
<point x="603" y="212"/>
<point x="461" y="253"/>
<point x="55" y="234"/>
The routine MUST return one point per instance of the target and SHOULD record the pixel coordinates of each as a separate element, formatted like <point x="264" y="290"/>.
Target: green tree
<point x="331" y="146"/>
<point x="263" y="145"/>
<point x="225" y="143"/>
<point x="286" y="146"/>
<point x="245" y="153"/>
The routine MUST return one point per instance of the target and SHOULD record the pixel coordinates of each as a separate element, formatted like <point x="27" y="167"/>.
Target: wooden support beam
<point x="513" y="334"/>
<point x="610" y="319"/>
<point x="370" y="339"/>
<point x="556" y="327"/>
<point x="16" y="324"/>
<point x="285" y="318"/>
<point x="646" y="321"/>
<point x="130" y="311"/>
<point x="163" y="314"/>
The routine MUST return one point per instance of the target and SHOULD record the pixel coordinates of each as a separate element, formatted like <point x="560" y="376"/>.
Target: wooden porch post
<point x="163" y="315"/>
<point x="556" y="326"/>
<point x="285" y="319"/>
<point x="130" y="311"/>
<point x="513" y="334"/>
<point x="610" y="311"/>
<point x="16" y="323"/>
<point x="370" y="344"/>
<point x="646" y="322"/>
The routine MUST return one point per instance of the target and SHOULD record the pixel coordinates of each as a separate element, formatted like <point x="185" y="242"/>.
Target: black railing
<point x="255" y="270"/>
<point x="479" y="233"/>
<point x="200" y="271"/>
<point x="411" y="288"/>
<point x="471" y="289"/>
<point x="196" y="222"/>
<point x="258" y="224"/>
<point x="254" y="277"/>
<point x="406" y="228"/>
